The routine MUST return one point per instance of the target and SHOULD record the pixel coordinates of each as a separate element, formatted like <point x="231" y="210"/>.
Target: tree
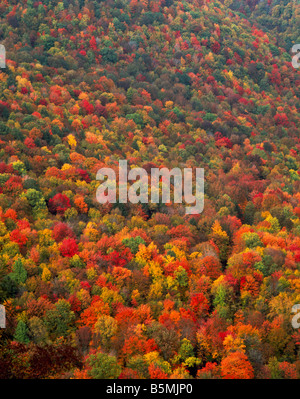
<point x="221" y="239"/>
<point x="37" y="331"/>
<point x="21" y="333"/>
<point x="186" y="354"/>
<point x="252" y="240"/>
<point x="199" y="304"/>
<point x="236" y="366"/>
<point x="156" y="372"/>
<point x="59" y="320"/>
<point x="166" y="339"/>
<point x="106" y="327"/>
<point x="210" y="371"/>
<point x="103" y="366"/>
<point x="108" y="55"/>
<point x="84" y="335"/>
<point x="62" y="230"/>
<point x="210" y="266"/>
<point x="19" y="273"/>
<point x="36" y="200"/>
<point x="133" y="243"/>
<point x="68" y="247"/>
<point x="59" y="204"/>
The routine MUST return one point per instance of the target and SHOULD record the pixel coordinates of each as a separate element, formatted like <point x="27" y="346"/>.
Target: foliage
<point x="144" y="290"/>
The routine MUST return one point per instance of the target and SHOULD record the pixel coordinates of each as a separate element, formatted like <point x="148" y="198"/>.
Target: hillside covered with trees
<point x="146" y="291"/>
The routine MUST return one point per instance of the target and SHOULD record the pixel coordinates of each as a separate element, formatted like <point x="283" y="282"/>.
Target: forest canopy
<point x="144" y="290"/>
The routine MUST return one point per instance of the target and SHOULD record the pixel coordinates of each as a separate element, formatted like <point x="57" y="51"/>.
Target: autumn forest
<point x="145" y="291"/>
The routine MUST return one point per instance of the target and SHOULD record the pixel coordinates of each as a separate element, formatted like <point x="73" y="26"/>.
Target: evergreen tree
<point x="21" y="333"/>
<point x="19" y="273"/>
